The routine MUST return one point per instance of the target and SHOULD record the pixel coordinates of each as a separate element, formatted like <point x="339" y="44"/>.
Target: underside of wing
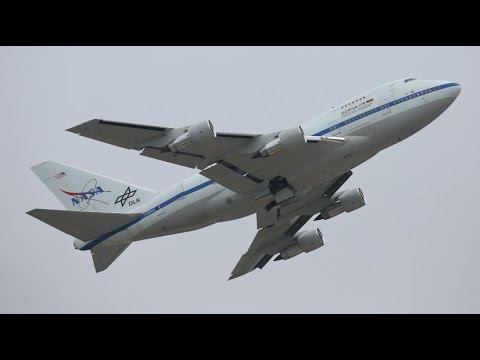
<point x="192" y="146"/>
<point x="198" y="155"/>
<point x="282" y="234"/>
<point x="269" y="242"/>
<point x="126" y="135"/>
<point x="243" y="172"/>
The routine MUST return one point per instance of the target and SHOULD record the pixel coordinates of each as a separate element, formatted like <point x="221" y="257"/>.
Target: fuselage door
<point x="334" y="129"/>
<point x="385" y="107"/>
<point x="384" y="103"/>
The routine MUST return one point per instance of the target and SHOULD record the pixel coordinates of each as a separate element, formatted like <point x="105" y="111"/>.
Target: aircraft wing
<point x="267" y="243"/>
<point x="152" y="141"/>
<point x="278" y="234"/>
<point x="240" y="162"/>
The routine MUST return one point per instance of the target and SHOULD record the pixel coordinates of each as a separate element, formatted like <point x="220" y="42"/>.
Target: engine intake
<point x="349" y="201"/>
<point x="287" y="139"/>
<point x="195" y="134"/>
<point x="307" y="241"/>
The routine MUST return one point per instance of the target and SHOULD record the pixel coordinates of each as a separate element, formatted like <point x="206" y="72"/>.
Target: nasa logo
<point x="89" y="191"/>
<point x="122" y="199"/>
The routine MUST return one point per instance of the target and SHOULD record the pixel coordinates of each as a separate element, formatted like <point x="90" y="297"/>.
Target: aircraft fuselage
<point x="375" y="120"/>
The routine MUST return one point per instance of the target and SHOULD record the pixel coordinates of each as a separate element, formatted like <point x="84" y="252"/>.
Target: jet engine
<point x="349" y="201"/>
<point x="307" y="241"/>
<point x="195" y="134"/>
<point x="287" y="139"/>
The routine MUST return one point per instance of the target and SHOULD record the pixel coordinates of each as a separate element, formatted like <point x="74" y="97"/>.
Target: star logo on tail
<point x="122" y="199"/>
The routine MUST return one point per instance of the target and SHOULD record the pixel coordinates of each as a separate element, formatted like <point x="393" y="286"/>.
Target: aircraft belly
<point x="121" y="238"/>
<point x="212" y="204"/>
<point x="228" y="205"/>
<point x="407" y="122"/>
<point x="190" y="218"/>
<point x="325" y="169"/>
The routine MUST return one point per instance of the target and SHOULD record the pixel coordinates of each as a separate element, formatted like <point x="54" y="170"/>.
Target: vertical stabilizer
<point x="82" y="190"/>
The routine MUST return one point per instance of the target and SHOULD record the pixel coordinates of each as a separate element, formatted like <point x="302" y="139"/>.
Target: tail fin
<point x="85" y="191"/>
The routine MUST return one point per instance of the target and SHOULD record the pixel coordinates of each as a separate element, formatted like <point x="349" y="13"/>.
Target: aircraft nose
<point x="455" y="89"/>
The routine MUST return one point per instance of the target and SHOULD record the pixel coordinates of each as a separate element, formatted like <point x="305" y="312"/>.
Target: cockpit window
<point x="409" y="79"/>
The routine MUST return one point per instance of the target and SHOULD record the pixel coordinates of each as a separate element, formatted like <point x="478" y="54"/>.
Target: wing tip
<point x="77" y="129"/>
<point x="32" y="212"/>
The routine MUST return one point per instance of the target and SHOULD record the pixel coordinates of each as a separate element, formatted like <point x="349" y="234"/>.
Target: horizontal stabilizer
<point x="82" y="225"/>
<point x="102" y="259"/>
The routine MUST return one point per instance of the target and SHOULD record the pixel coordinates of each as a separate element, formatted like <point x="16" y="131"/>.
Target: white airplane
<point x="284" y="177"/>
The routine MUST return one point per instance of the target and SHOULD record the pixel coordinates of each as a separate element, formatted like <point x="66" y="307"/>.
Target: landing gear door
<point x="334" y="129"/>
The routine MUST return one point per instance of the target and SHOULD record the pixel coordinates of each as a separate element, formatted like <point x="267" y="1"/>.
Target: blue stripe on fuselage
<point x="104" y="237"/>
<point x="383" y="107"/>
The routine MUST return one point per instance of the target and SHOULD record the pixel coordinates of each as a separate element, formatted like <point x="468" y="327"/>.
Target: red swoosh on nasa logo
<point x="75" y="193"/>
<point x="79" y="193"/>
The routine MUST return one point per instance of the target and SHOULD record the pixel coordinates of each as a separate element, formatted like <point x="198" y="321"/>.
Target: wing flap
<point x="231" y="177"/>
<point x="85" y="226"/>
<point x="186" y="160"/>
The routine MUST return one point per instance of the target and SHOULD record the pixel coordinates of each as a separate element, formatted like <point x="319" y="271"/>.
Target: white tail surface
<point x="81" y="190"/>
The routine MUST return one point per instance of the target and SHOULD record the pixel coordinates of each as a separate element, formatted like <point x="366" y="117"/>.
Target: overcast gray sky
<point x="413" y="248"/>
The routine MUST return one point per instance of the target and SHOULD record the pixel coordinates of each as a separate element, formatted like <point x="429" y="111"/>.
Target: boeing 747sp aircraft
<point x="285" y="177"/>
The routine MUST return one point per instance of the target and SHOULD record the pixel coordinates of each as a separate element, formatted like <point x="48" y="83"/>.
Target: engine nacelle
<point x="349" y="201"/>
<point x="287" y="139"/>
<point x="195" y="134"/>
<point x="308" y="241"/>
